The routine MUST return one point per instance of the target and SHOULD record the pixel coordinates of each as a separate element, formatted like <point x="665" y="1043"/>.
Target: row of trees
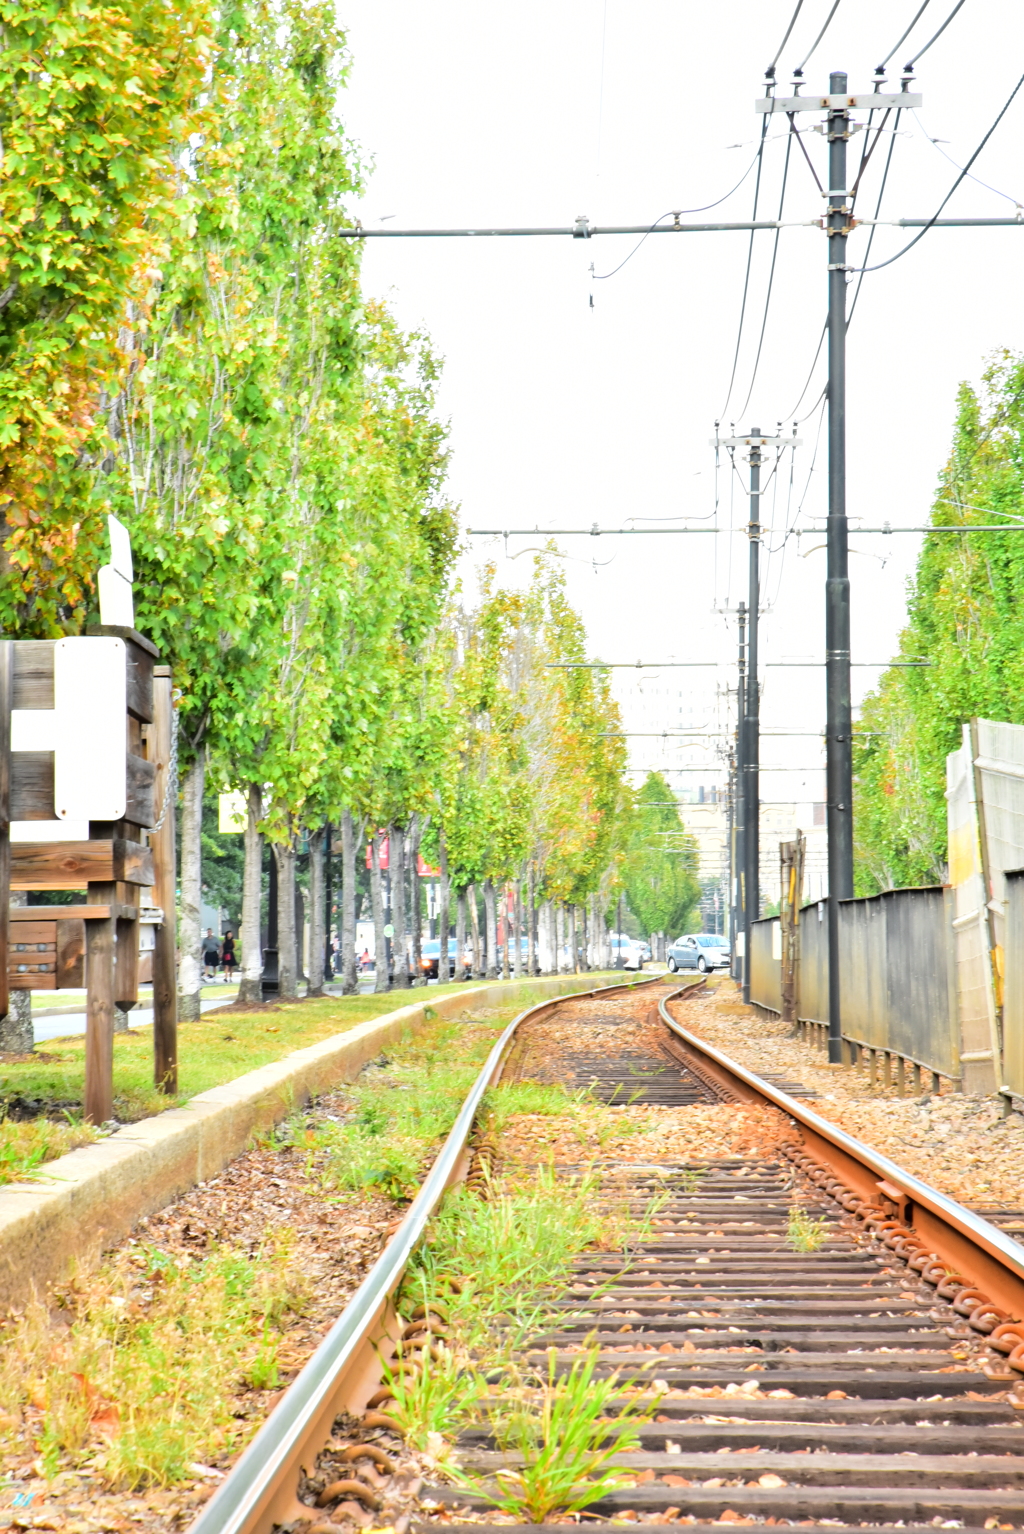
<point x="184" y="342"/>
<point x="966" y="617"/>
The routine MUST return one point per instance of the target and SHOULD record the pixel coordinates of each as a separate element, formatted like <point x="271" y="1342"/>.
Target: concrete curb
<point x="93" y="1196"/>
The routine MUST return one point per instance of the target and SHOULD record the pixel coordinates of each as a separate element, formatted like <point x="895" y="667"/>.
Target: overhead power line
<point x="922" y="51"/>
<point x="932" y="222"/>
<point x="901" y="40"/>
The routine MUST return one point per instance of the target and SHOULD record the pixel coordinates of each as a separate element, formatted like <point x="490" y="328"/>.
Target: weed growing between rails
<point x="142" y="1382"/>
<point x="805" y="1234"/>
<point x="566" y="1432"/>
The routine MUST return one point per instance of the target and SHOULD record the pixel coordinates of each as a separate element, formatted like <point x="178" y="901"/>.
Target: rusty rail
<point x="965" y="1256"/>
<point x="345" y="1369"/>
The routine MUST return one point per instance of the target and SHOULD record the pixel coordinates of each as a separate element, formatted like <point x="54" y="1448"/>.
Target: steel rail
<point x="261" y="1489"/>
<point x="968" y="1243"/>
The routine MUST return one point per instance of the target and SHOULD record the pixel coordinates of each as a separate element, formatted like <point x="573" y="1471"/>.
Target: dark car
<point x="430" y="957"/>
<point x="702" y="951"/>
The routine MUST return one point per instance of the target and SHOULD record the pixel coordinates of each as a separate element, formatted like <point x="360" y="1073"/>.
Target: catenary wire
<point x="750" y="255"/>
<point x="828" y="22"/>
<point x="792" y="23"/>
<point x="677" y="212"/>
<point x="921" y="52"/>
<point x="935" y="144"/>
<point x="871" y="234"/>
<point x="962" y="176"/>
<point x="771" y="278"/>
<point x="899" y="43"/>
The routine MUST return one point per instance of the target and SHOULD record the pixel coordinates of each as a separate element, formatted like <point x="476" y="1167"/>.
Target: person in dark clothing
<point x="228" y="956"/>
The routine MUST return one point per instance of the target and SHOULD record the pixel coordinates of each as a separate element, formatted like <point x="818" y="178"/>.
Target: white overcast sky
<point x="563" y="415"/>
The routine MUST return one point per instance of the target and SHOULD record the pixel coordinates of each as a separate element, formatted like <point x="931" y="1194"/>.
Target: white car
<point x="626" y="948"/>
<point x="702" y="951"/>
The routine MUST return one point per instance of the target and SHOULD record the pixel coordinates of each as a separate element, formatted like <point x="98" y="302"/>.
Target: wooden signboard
<point x="81" y="734"/>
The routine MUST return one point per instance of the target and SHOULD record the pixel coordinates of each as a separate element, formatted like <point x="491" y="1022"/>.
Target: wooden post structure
<point x="791" y="868"/>
<point x="165" y="990"/>
<point x="6" y="702"/>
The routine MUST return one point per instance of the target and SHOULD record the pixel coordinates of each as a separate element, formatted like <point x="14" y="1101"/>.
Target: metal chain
<point x="171" y="786"/>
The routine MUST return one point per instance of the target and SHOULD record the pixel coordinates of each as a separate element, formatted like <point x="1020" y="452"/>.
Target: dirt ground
<point x="961" y="1145"/>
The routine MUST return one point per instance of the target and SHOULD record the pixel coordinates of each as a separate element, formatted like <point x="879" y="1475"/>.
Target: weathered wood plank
<point x="140" y="795"/>
<point x="71" y="865"/>
<point x="6" y="695"/>
<point x="70" y="952"/>
<point x="140" y="681"/>
<point x="33" y="674"/>
<point x="24" y="934"/>
<point x="30" y="982"/>
<point x="32" y="785"/>
<point x="32" y="913"/>
<point x="99" y="1013"/>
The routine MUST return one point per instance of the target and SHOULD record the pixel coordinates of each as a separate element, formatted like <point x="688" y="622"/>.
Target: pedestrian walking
<point x="211" y="955"/>
<point x="228" y="957"/>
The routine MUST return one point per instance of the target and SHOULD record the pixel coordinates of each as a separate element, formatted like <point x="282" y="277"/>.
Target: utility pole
<point x="752" y="717"/>
<point x="838" y="709"/>
<point x="739" y="818"/>
<point x="749" y="700"/>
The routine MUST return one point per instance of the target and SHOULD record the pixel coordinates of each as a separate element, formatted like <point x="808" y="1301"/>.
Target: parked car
<point x="430" y="957"/>
<point x="631" y="952"/>
<point x="702" y="951"/>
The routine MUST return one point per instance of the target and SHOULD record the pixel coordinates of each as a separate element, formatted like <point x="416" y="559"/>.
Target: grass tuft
<point x="803" y="1233"/>
<point x="566" y="1435"/>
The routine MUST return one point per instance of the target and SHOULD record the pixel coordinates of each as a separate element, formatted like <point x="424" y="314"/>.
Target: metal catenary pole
<point x="838" y="711"/>
<point x="749" y="697"/>
<point x="738" y="872"/>
<point x="751" y="720"/>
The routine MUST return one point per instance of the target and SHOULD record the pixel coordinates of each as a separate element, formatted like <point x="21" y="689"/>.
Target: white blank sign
<point x="91" y="731"/>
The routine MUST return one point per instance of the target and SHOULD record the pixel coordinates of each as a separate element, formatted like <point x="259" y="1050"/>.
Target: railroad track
<point x="873" y="1379"/>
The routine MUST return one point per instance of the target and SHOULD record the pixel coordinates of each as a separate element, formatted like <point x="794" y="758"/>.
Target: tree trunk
<point x="382" y="981"/>
<point x="531" y="919"/>
<point x="190" y="931"/>
<point x="300" y="933"/>
<point x="585" y="939"/>
<point x="517" y="922"/>
<point x="506" y="929"/>
<point x="287" y="963"/>
<point x="477" y="947"/>
<point x="349" y="845"/>
<point x="460" y="933"/>
<point x="545" y="942"/>
<point x="249" y="988"/>
<point x="574" y="951"/>
<point x="415" y="894"/>
<point x="396" y="867"/>
<point x="442" y="915"/>
<point x="491" y="918"/>
<point x="315" y="981"/>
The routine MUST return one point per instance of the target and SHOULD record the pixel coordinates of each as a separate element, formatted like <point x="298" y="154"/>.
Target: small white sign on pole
<point x="90" y="779"/>
<point x="117" y="605"/>
<point x="232" y="812"/>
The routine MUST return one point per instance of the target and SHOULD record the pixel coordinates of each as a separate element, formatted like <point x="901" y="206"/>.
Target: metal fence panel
<point x="766" y="964"/>
<point x="863" y="969"/>
<point x="922" y="1022"/>
<point x="975" y="996"/>
<point x="1013" y="994"/>
<point x="812" y="982"/>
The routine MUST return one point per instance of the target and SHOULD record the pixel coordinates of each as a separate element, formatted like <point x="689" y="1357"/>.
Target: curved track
<point x="871" y="1380"/>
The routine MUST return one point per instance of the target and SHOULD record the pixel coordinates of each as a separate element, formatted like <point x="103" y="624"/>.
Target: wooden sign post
<point x="81" y="747"/>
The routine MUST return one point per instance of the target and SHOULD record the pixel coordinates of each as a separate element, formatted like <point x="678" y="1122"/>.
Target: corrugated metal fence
<point x="896" y="971"/>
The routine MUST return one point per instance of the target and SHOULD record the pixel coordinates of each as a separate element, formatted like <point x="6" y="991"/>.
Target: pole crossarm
<point x="592" y="230"/>
<point x="863" y="101"/>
